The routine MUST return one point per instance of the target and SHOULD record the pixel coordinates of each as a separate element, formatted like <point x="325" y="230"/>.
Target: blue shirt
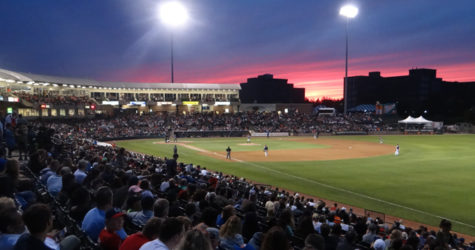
<point x="94" y="222"/>
<point x="141" y="217"/>
<point x="7" y="241"/>
<point x="54" y="184"/>
<point x="79" y="176"/>
<point x="45" y="174"/>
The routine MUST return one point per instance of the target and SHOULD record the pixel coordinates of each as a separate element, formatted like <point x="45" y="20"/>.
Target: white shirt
<point x="154" y="245"/>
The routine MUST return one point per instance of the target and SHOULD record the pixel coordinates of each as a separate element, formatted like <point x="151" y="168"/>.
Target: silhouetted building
<point x="267" y="89"/>
<point x="415" y="93"/>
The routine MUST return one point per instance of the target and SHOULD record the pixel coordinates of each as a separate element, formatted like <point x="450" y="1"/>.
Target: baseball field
<point x="432" y="178"/>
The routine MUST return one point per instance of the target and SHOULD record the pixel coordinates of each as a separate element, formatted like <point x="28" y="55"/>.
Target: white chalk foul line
<point x="344" y="190"/>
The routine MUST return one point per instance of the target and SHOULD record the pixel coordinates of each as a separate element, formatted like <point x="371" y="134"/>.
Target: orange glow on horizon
<point x="320" y="79"/>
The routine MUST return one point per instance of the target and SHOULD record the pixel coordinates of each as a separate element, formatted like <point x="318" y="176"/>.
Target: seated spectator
<point x="171" y="232"/>
<point x="11" y="228"/>
<point x="196" y="240"/>
<point x="55" y="181"/>
<point x="371" y="235"/>
<point x="230" y="234"/>
<point x="94" y="221"/>
<point x="379" y="244"/>
<point x="227" y="212"/>
<point x="9" y="181"/>
<point x="80" y="173"/>
<point x="150" y="232"/>
<point x="108" y="238"/>
<point x="141" y="217"/>
<point x="314" y="242"/>
<point x="39" y="221"/>
<point x="275" y="239"/>
<point x="160" y="208"/>
<point x="348" y="243"/>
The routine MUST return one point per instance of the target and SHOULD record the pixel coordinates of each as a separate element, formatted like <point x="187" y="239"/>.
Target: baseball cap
<point x="114" y="213"/>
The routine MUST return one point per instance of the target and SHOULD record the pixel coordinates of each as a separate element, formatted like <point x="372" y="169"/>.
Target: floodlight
<point x="173" y="14"/>
<point x="349" y="11"/>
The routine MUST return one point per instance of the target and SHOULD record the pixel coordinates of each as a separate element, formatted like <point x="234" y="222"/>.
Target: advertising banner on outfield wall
<point x="270" y="134"/>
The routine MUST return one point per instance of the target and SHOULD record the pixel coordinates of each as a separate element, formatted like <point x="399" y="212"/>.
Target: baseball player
<point x="228" y="153"/>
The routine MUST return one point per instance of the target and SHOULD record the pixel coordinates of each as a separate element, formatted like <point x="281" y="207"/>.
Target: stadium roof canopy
<point x="27" y="77"/>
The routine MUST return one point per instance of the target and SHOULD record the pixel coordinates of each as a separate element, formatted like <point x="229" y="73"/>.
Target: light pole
<point x="348" y="11"/>
<point x="174" y="15"/>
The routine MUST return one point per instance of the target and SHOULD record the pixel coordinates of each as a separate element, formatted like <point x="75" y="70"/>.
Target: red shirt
<point x="134" y="241"/>
<point x="109" y="241"/>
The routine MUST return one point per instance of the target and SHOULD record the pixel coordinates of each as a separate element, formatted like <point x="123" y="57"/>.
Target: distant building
<point x="267" y="89"/>
<point x="417" y="92"/>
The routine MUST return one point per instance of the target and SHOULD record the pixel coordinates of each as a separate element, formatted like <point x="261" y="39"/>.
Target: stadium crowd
<point x="70" y="193"/>
<point x="37" y="100"/>
<point x="135" y="125"/>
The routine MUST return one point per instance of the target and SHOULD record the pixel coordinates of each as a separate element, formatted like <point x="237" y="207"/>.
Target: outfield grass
<point x="433" y="176"/>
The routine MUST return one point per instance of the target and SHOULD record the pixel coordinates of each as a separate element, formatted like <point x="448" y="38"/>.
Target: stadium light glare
<point x="173" y="14"/>
<point x="349" y="11"/>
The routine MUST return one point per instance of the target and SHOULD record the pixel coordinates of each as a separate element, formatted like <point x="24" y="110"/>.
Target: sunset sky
<point x="229" y="41"/>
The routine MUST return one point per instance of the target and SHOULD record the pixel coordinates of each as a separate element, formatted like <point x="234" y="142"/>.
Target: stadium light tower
<point x="348" y="11"/>
<point x="174" y="15"/>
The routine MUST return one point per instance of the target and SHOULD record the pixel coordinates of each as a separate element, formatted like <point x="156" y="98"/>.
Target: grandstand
<point x="44" y="96"/>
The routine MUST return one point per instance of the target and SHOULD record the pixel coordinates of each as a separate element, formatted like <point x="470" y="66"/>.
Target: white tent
<point x="408" y="120"/>
<point x="412" y="120"/>
<point x="422" y="120"/>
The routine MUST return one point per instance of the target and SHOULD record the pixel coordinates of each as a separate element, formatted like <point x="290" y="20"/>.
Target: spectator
<point x="55" y="181"/>
<point x="94" y="221"/>
<point x="52" y="168"/>
<point x="39" y="221"/>
<point x="227" y="212"/>
<point x="196" y="240"/>
<point x="21" y="137"/>
<point x="275" y="239"/>
<point x="314" y="242"/>
<point x="141" y="217"/>
<point x="171" y="232"/>
<point x="9" y="182"/>
<point x="108" y="238"/>
<point x="394" y="238"/>
<point x="213" y="234"/>
<point x="347" y="243"/>
<point x="11" y="228"/>
<point x="379" y="244"/>
<point x="160" y="208"/>
<point x="80" y="173"/>
<point x="10" y="139"/>
<point x="230" y="234"/>
<point x="150" y="232"/>
<point x="371" y="235"/>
